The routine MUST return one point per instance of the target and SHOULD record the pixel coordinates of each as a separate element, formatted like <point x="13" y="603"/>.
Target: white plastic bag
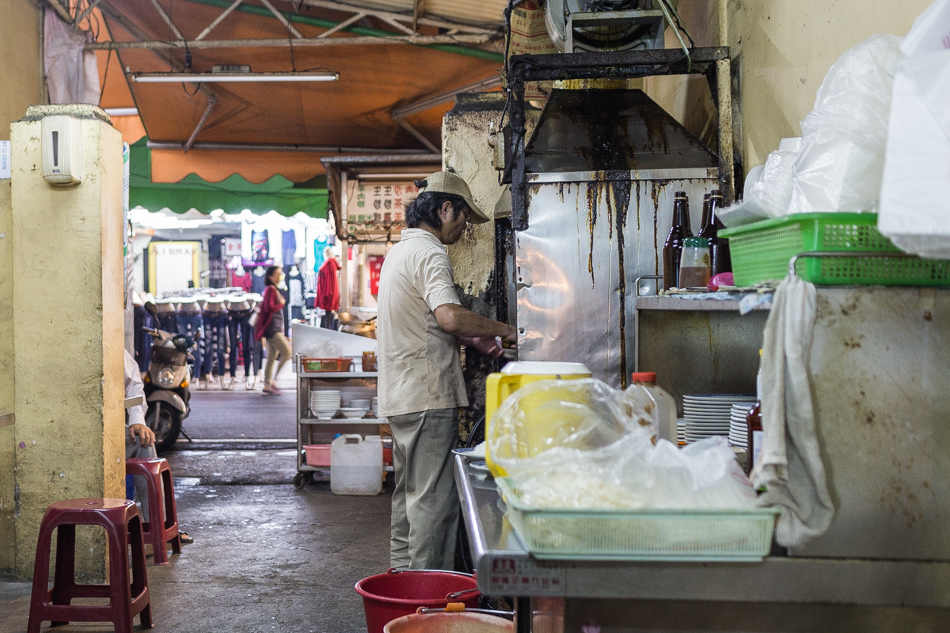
<point x="768" y="190"/>
<point x="590" y="446"/>
<point x="842" y="157"/>
<point x="915" y="192"/>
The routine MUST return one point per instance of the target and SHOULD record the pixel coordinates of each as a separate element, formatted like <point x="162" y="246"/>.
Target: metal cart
<point x="312" y="430"/>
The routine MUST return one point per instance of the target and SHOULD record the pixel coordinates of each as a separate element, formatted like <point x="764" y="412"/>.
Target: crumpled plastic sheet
<point x="583" y="444"/>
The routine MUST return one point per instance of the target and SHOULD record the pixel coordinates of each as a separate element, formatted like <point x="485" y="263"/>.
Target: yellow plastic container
<point x="499" y="386"/>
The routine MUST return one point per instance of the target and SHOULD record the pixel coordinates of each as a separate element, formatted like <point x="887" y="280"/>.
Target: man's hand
<point x="142" y="433"/>
<point x="487" y="345"/>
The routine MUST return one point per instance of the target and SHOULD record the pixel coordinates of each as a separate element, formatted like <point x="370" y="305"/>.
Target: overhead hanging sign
<point x="377" y="207"/>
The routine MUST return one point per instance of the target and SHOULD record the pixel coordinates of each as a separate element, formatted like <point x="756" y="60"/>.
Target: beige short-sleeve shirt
<point x="419" y="365"/>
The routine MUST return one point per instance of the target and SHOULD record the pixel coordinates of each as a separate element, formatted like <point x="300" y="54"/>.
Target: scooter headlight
<point x="166" y="377"/>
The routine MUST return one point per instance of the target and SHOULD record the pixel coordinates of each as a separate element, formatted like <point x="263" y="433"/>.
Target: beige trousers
<point x="277" y="345"/>
<point x="425" y="510"/>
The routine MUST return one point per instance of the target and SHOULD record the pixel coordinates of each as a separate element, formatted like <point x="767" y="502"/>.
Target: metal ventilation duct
<point x="601" y="130"/>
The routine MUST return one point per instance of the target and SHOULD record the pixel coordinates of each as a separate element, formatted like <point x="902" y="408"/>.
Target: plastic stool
<point x="162" y="525"/>
<point x="123" y="525"/>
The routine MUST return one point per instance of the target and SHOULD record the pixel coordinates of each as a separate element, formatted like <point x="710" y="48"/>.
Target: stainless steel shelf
<point x="336" y="421"/>
<point x="504" y="567"/>
<point x="662" y="302"/>
<point x="337" y="375"/>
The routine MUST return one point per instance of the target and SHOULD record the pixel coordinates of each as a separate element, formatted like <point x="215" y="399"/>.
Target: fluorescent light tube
<point x="231" y="77"/>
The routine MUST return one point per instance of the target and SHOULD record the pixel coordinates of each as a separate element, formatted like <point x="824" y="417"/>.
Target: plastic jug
<point x="356" y="465"/>
<point x="512" y="377"/>
<point x="665" y="414"/>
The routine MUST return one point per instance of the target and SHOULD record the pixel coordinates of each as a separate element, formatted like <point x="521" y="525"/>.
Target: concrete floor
<point x="266" y="557"/>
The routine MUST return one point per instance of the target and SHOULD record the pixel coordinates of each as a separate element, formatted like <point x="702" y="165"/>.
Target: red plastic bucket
<point x="397" y="593"/>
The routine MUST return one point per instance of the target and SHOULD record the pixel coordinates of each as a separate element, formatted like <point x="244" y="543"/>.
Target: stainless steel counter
<point x="505" y="568"/>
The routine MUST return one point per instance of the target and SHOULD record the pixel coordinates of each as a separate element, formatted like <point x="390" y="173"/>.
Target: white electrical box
<point x="62" y="150"/>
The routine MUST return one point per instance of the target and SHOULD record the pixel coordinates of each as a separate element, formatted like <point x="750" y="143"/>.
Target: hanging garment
<point x="217" y="265"/>
<point x="309" y="282"/>
<point x="258" y="282"/>
<point x="191" y="324"/>
<point x="216" y="331"/>
<point x="260" y="246"/>
<point x="328" y="286"/>
<point x="168" y="321"/>
<point x="288" y="251"/>
<point x="295" y="287"/>
<point x="241" y="339"/>
<point x="319" y="245"/>
<point x="243" y="281"/>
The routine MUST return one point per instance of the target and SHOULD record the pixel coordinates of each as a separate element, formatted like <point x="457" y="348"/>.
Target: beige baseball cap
<point x="448" y="182"/>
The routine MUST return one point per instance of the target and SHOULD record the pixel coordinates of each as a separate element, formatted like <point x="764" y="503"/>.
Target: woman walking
<point x="270" y="327"/>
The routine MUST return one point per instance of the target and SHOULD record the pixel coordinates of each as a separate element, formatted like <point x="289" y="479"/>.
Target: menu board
<point x="377" y="206"/>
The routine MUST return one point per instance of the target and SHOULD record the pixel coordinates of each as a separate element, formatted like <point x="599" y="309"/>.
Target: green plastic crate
<point x="761" y="251"/>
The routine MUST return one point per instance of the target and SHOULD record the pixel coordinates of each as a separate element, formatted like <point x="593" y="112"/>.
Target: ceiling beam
<point x="358" y="30"/>
<point x="272" y="147"/>
<point x="418" y="8"/>
<point x="60" y="10"/>
<point x="342" y="25"/>
<point x="85" y="14"/>
<point x="414" y="18"/>
<point x="218" y="20"/>
<point x="443" y="97"/>
<point x="419" y="135"/>
<point x="132" y="29"/>
<point x="417" y="40"/>
<point x="167" y="19"/>
<point x="280" y="18"/>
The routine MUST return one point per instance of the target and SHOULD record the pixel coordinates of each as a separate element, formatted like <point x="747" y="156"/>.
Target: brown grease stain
<point x="620" y="190"/>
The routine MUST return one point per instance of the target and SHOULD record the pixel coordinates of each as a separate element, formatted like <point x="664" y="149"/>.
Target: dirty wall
<point x="781" y="51"/>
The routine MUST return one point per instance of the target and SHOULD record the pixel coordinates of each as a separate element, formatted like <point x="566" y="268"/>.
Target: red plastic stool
<point x="123" y="525"/>
<point x="162" y="525"/>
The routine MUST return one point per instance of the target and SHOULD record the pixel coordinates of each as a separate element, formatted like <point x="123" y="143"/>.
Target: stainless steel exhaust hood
<point x="606" y="130"/>
<point x="602" y="167"/>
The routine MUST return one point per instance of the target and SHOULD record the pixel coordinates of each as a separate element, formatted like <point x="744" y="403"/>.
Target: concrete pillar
<point x="67" y="316"/>
<point x="7" y="489"/>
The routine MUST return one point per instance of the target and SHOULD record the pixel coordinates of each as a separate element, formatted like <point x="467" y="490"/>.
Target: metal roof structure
<point x="400" y="63"/>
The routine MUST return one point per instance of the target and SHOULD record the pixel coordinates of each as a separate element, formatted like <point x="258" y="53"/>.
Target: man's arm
<point x="463" y="323"/>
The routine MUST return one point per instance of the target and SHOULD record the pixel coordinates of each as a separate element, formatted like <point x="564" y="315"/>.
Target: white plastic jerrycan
<point x="356" y="465"/>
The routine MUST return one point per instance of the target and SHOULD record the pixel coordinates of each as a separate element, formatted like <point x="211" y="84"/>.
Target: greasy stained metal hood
<point x="601" y="130"/>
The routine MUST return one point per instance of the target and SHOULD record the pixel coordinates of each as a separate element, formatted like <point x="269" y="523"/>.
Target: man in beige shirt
<point x="420" y="326"/>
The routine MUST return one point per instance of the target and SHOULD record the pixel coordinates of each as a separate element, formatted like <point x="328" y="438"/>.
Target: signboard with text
<point x="377" y="206"/>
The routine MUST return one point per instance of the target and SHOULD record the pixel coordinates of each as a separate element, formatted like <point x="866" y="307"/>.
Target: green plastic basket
<point x="646" y="534"/>
<point x="761" y="251"/>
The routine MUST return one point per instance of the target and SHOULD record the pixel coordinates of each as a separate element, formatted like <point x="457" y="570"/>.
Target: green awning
<point x="232" y="195"/>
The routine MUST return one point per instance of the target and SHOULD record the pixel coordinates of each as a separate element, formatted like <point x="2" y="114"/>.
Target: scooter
<point x="166" y="386"/>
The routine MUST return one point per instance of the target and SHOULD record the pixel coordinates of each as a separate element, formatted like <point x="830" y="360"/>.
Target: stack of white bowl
<point x="325" y="403"/>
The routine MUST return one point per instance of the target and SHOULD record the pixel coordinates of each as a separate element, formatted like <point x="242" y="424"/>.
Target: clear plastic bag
<point x="582" y="444"/>
<point x="842" y="157"/>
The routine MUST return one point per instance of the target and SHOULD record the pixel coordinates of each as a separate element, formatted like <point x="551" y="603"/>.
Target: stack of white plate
<point x="681" y="431"/>
<point x="738" y="427"/>
<point x="710" y="414"/>
<point x="325" y="403"/>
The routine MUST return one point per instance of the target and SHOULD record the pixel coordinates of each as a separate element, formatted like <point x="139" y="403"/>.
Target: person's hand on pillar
<point x="142" y="434"/>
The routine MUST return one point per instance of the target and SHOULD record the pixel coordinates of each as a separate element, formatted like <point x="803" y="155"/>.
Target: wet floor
<point x="266" y="557"/>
